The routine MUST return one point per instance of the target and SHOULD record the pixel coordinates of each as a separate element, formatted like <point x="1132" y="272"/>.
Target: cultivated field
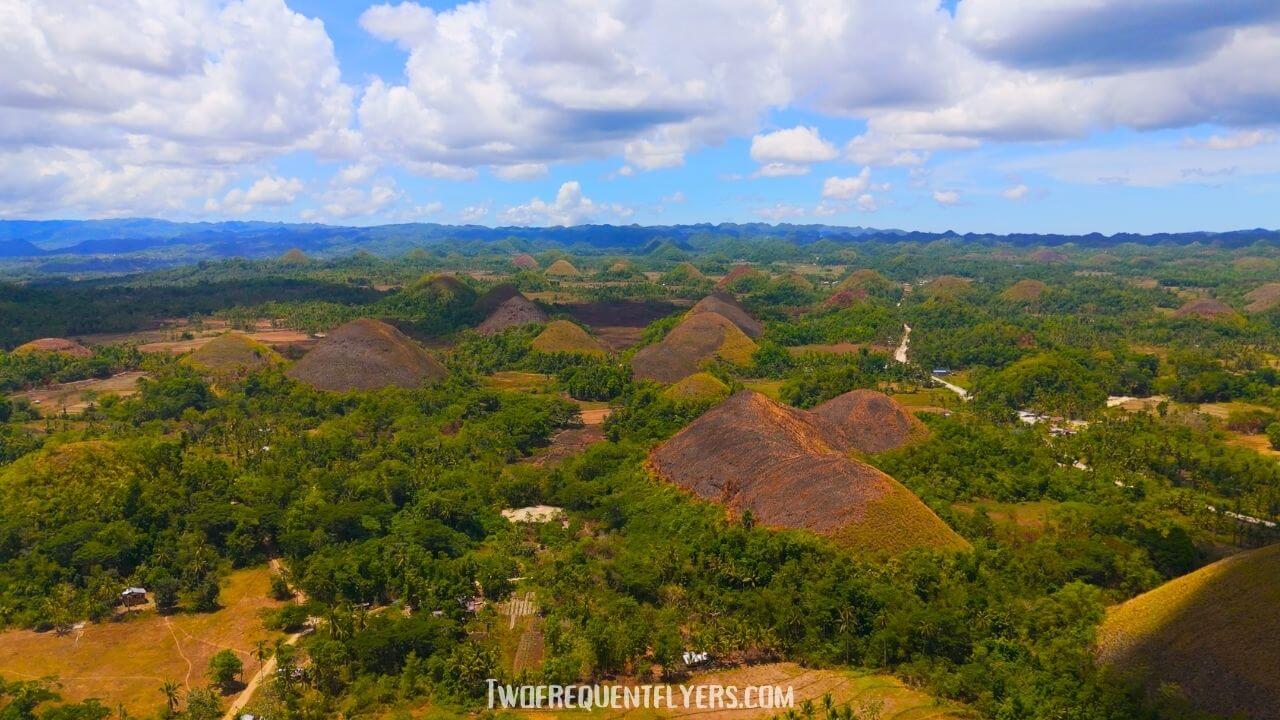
<point x="125" y="662"/>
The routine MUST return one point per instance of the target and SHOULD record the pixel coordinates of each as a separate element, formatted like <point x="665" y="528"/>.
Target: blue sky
<point x="980" y="115"/>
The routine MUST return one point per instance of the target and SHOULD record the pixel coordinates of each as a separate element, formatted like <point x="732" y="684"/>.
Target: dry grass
<point x="232" y="355"/>
<point x="125" y="662"/>
<point x="562" y="336"/>
<point x="57" y="346"/>
<point x="699" y="339"/>
<point x="366" y="354"/>
<point x="862" y="691"/>
<point x="698" y="387"/>
<point x="515" y="381"/>
<point x="1212" y="632"/>
<point x="562" y="268"/>
<point x="1263" y="298"/>
<point x="75" y="397"/>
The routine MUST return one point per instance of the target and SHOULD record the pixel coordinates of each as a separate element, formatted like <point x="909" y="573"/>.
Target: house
<point x="941" y="371"/>
<point x="133" y="596"/>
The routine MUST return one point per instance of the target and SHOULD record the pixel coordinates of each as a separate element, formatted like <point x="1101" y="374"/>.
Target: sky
<point x="1066" y="116"/>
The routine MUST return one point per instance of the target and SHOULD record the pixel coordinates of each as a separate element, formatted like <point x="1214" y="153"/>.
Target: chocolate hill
<point x="232" y="355"/>
<point x="562" y="336"/>
<point x="726" y="305"/>
<point x="1025" y="291"/>
<point x="525" y="261"/>
<point x="865" y="280"/>
<point x="697" y="388"/>
<point x="1212" y="632"/>
<point x="562" y="268"/>
<point x="791" y="470"/>
<point x="57" y="346"/>
<point x="738" y="272"/>
<point x="698" y="339"/>
<point x="515" y="311"/>
<point x="1263" y="297"/>
<point x="683" y="273"/>
<point x="366" y="354"/>
<point x="870" y="421"/>
<point x="1206" y="308"/>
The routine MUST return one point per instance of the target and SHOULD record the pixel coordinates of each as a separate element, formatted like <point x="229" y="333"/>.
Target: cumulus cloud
<point x="946" y="197"/>
<point x="570" y="207"/>
<point x="847" y="188"/>
<point x="799" y="145"/>
<point x="520" y="171"/>
<point x="269" y="191"/>
<point x="1015" y="192"/>
<point x="164" y="93"/>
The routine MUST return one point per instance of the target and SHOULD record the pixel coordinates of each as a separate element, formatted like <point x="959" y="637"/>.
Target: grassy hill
<point x="1213" y="632"/>
<point x="562" y="336"/>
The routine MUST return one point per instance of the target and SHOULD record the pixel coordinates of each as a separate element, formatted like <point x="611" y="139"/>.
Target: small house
<point x="133" y="596"/>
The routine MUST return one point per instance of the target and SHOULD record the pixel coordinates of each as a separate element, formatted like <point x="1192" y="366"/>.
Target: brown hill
<point x="562" y="336"/>
<point x="1212" y="632"/>
<point x="790" y="470"/>
<point x="865" y="280"/>
<point x="738" y="272"/>
<point x="1025" y="291"/>
<point x="294" y="256"/>
<point x="57" y="346"/>
<point x="1206" y="308"/>
<point x="725" y="304"/>
<point x="525" y="261"/>
<point x="493" y="297"/>
<point x="695" y="341"/>
<point x="947" y="287"/>
<point x="870" y="421"/>
<point x="1048" y="256"/>
<point x="515" y="311"/>
<point x="366" y="354"/>
<point x="844" y="298"/>
<point x="562" y="268"/>
<point x="1263" y="297"/>
<point x="232" y="355"/>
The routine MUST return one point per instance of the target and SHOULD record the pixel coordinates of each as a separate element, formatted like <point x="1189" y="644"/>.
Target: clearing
<point x="75" y="397"/>
<point x="125" y="662"/>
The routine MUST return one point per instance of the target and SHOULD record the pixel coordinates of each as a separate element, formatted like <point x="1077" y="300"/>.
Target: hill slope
<point x="789" y="469"/>
<point x="1213" y="632"/>
<point x="232" y="355"/>
<point x="366" y="354"/>
<point x="515" y="311"/>
<point x="697" y="340"/>
<point x="725" y="304"/>
<point x="57" y="346"/>
<point x="870" y="421"/>
<point x="562" y="336"/>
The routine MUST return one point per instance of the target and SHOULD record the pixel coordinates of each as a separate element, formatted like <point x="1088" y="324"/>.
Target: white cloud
<point x="799" y="145"/>
<point x="269" y="191"/>
<point x="1240" y="140"/>
<point x="1015" y="192"/>
<point x="844" y="188"/>
<point x="473" y="213"/>
<point x="520" y="171"/>
<point x="867" y="203"/>
<point x="780" y="211"/>
<point x="946" y="197"/>
<point x="675" y="198"/>
<point x="570" y="207"/>
<point x="781" y="170"/>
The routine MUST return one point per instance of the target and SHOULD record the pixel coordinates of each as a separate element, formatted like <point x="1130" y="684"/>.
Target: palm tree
<point x="170" y="689"/>
<point x="260" y="652"/>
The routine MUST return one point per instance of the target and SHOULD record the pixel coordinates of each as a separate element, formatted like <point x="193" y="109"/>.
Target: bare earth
<point x="74" y="397"/>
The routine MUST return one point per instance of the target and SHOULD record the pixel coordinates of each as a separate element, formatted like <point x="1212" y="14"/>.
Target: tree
<point x="1273" y="434"/>
<point x="224" y="667"/>
<point x="170" y="690"/>
<point x="203" y="704"/>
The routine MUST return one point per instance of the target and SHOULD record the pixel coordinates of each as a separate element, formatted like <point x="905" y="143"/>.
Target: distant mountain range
<point x="152" y="238"/>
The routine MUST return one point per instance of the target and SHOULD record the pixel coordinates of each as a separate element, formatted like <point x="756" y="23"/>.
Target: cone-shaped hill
<point x="56" y="346"/>
<point x="232" y="355"/>
<point x="726" y="305"/>
<point x="1263" y="297"/>
<point x="1206" y="308"/>
<point x="1025" y="291"/>
<point x="866" y="281"/>
<point x="562" y="336"/>
<point x="697" y="388"/>
<point x="1212" y="632"/>
<point x="695" y="341"/>
<point x="525" y="261"/>
<point x="515" y="311"/>
<point x="870" y="421"/>
<point x="366" y="354"/>
<point x="562" y="268"/>
<point x="791" y="470"/>
<point x="683" y="273"/>
<point x="739" y="272"/>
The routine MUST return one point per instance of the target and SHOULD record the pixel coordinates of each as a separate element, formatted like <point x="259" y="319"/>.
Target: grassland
<point x="123" y="663"/>
<point x="75" y="397"/>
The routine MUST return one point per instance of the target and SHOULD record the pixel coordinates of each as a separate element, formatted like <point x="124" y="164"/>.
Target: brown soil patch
<point x="366" y="354"/>
<point x="871" y="421"/>
<point x="567" y="443"/>
<point x="790" y="469"/>
<point x="725" y="304"/>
